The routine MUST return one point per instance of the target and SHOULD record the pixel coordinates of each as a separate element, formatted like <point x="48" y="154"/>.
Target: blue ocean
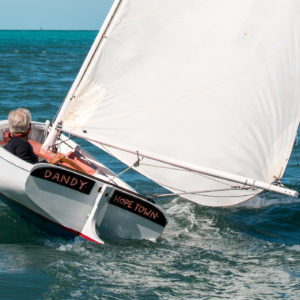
<point x="247" y="252"/>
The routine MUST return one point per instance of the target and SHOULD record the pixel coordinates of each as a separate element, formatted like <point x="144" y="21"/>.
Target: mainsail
<point x="209" y="83"/>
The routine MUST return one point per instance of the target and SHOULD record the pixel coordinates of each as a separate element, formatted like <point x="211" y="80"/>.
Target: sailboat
<point x="202" y="97"/>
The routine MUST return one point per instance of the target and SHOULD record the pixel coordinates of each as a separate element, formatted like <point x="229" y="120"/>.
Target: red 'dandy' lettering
<point x="71" y="181"/>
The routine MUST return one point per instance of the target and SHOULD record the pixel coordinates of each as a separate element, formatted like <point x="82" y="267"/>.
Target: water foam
<point x="266" y="201"/>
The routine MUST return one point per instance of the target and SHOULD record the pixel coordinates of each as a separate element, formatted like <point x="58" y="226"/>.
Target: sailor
<point x="19" y="121"/>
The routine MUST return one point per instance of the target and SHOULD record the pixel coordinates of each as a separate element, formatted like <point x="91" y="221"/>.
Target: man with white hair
<point x="19" y="125"/>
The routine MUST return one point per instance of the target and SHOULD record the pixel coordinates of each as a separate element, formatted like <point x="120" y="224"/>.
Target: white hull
<point x="89" y="206"/>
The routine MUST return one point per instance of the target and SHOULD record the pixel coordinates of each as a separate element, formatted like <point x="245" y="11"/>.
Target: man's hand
<point x="56" y="159"/>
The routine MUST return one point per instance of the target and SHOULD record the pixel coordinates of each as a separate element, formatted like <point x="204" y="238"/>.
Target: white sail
<point x="211" y="83"/>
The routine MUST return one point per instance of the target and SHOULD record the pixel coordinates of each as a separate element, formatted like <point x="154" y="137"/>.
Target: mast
<point x="248" y="182"/>
<point x="51" y="138"/>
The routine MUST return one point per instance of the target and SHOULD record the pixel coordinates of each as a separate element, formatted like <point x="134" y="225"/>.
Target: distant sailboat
<point x="202" y="97"/>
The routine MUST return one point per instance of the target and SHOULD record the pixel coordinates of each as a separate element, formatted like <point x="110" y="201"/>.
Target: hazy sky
<point x="53" y="14"/>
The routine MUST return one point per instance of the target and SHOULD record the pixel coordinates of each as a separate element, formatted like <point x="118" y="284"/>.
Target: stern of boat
<point x="129" y="216"/>
<point x="86" y="200"/>
<point x="92" y="208"/>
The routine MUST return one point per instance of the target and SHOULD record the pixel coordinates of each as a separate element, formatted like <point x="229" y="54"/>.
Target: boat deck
<point x="72" y="160"/>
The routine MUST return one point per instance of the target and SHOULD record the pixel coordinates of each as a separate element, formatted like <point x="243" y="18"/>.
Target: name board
<point x="138" y="206"/>
<point x="65" y="178"/>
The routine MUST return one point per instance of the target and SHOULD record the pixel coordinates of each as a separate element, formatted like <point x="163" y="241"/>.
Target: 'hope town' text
<point x="138" y="206"/>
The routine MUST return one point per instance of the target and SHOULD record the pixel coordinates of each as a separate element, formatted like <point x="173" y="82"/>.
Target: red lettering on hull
<point x="65" y="178"/>
<point x="138" y="206"/>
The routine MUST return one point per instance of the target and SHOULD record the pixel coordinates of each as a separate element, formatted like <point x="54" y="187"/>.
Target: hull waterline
<point x="65" y="202"/>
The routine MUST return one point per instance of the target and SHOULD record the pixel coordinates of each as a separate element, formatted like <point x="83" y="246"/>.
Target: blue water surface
<point x="246" y="252"/>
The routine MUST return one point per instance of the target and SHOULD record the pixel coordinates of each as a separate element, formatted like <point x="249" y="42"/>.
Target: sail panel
<point x="212" y="83"/>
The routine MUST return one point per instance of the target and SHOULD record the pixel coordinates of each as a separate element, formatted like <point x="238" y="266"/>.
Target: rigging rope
<point x="60" y="141"/>
<point x="184" y="170"/>
<point x="201" y="193"/>
<point x="181" y="192"/>
<point x="136" y="164"/>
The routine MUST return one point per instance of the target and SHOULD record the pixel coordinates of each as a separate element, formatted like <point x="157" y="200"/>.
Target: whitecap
<point x="266" y="201"/>
<point x="295" y="248"/>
